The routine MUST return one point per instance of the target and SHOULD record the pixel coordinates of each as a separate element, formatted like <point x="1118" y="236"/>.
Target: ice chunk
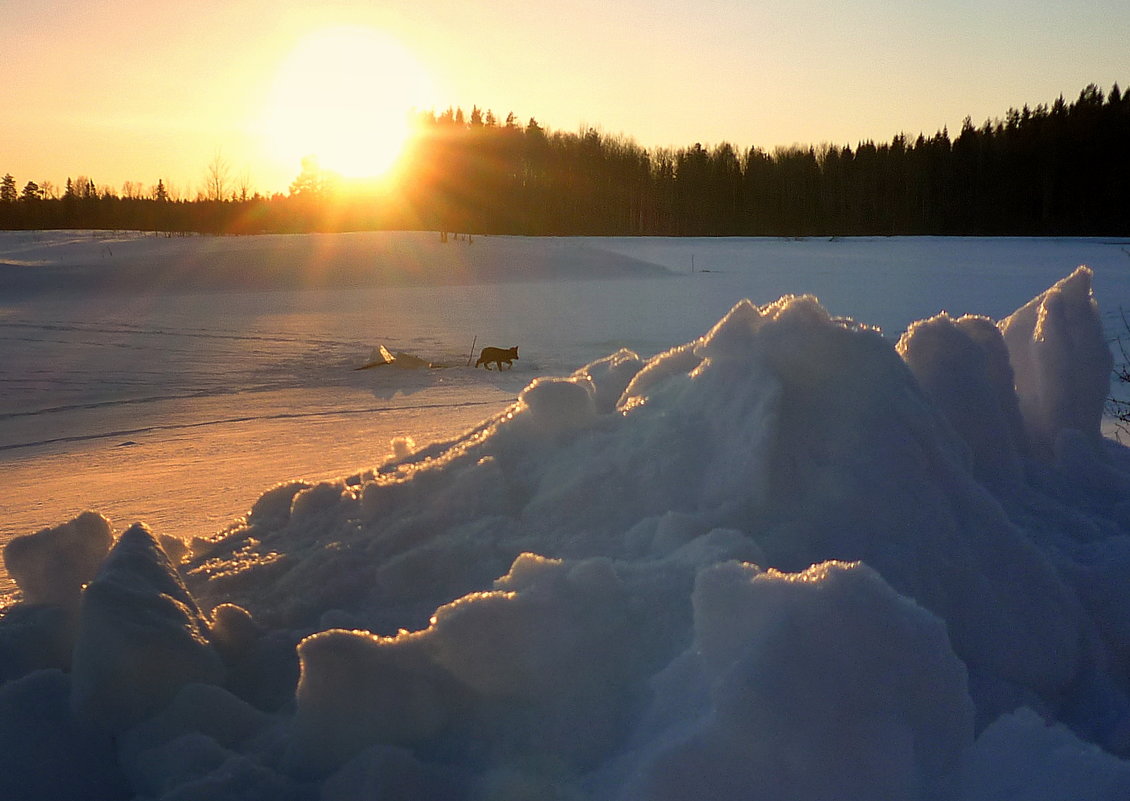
<point x="140" y="636"/>
<point x="52" y="565"/>
<point x="1061" y="361"/>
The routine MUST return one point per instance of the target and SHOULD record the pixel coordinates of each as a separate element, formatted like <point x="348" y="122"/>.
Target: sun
<point x="344" y="95"/>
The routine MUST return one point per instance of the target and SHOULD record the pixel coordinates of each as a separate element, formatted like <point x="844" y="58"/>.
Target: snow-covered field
<point x="578" y="597"/>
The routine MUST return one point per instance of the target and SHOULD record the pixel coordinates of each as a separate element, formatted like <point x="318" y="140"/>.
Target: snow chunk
<point x="52" y="565"/>
<point x="274" y="505"/>
<point x="402" y="447"/>
<point x="674" y="362"/>
<point x="196" y="768"/>
<point x="140" y="636"/>
<point x="311" y="503"/>
<point x="391" y="774"/>
<point x="196" y="708"/>
<point x="45" y="753"/>
<point x="356" y="690"/>
<point x="201" y="729"/>
<point x="963" y="366"/>
<point x="537" y="632"/>
<point x="1061" y="361"/>
<point x="609" y="377"/>
<point x="34" y="637"/>
<point x="821" y="685"/>
<point x="557" y="405"/>
<point x="548" y="662"/>
<point x="1022" y="756"/>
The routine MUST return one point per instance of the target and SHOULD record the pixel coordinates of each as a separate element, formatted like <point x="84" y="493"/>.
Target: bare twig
<point x="1118" y="407"/>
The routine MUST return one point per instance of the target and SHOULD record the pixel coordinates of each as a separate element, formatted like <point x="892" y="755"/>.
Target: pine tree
<point x="8" y="189"/>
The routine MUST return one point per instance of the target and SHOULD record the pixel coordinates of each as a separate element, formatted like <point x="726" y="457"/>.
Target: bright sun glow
<point x="344" y="95"/>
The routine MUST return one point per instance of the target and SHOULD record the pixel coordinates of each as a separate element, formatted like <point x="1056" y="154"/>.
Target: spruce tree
<point x="8" y="189"/>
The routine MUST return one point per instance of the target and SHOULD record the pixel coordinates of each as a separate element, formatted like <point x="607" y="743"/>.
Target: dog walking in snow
<point x="498" y="356"/>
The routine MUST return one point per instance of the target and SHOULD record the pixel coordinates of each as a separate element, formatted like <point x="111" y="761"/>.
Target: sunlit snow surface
<point x="708" y="548"/>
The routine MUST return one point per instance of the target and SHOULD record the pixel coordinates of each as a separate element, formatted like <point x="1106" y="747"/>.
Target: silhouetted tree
<point x="8" y="189"/>
<point x="1062" y="168"/>
<point x="217" y="176"/>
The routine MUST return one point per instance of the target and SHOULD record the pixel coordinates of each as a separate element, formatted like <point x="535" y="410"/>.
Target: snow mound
<point x="785" y="560"/>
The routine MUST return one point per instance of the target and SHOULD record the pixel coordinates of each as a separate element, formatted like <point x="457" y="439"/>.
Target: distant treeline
<point x="1062" y="169"/>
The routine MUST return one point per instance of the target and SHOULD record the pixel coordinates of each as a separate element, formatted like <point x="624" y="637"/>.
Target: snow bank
<point x="785" y="560"/>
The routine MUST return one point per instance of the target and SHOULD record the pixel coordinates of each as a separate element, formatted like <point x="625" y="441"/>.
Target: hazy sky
<point x="134" y="90"/>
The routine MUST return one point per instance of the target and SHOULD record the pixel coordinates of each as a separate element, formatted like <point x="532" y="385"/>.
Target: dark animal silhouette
<point x="498" y="356"/>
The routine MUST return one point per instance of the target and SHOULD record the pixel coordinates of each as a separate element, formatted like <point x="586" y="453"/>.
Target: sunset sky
<point x="136" y="90"/>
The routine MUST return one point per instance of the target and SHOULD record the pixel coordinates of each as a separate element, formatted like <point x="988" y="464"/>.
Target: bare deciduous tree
<point x="243" y="188"/>
<point x="217" y="178"/>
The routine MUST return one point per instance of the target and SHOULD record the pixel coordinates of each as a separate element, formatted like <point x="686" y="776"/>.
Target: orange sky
<point x="136" y="90"/>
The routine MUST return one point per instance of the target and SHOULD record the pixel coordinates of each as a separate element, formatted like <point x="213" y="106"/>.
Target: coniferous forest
<point x="1059" y="169"/>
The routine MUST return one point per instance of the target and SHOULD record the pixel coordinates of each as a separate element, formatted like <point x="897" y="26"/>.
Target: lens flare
<point x="345" y="95"/>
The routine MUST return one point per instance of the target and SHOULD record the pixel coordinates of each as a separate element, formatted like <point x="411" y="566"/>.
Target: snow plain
<point x="579" y="596"/>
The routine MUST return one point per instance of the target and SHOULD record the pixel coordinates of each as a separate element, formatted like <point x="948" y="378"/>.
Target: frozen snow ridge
<point x="783" y="561"/>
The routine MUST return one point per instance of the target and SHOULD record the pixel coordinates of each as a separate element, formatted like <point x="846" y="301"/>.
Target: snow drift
<point x="784" y="561"/>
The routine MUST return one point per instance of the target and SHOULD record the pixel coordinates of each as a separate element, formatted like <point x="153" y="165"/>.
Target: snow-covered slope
<point x="139" y="263"/>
